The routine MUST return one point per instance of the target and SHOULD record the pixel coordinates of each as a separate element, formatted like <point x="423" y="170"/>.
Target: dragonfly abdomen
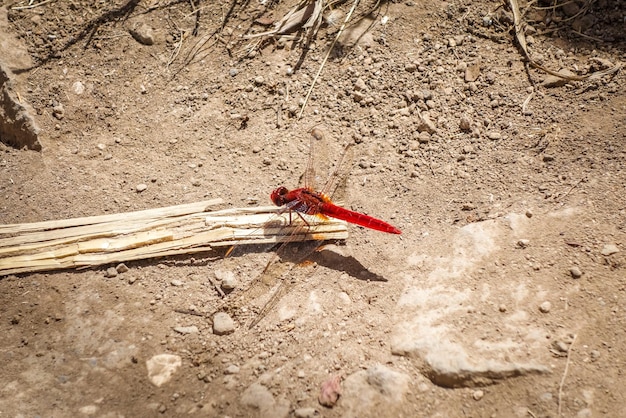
<point x="334" y="211"/>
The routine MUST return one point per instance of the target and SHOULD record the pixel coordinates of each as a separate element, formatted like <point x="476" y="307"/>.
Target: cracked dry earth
<point x="505" y="295"/>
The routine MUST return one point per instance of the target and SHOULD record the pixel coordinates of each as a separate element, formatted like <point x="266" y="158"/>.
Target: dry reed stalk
<point x="182" y="229"/>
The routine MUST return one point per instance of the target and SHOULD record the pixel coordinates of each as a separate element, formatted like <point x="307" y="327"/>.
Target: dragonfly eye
<point x="278" y="196"/>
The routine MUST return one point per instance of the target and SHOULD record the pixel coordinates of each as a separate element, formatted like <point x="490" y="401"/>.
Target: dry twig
<point x="569" y="352"/>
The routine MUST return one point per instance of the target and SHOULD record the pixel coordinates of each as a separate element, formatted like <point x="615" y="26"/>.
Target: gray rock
<point x="17" y="124"/>
<point x="223" y="324"/>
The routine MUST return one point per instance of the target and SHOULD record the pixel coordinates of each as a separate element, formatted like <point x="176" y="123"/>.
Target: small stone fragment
<point x="478" y="395"/>
<point x="227" y="279"/>
<point x="161" y="368"/>
<point x="466" y="123"/>
<point x="78" y="88"/>
<point x="223" y="324"/>
<point x="423" y="137"/>
<point x="305" y="412"/>
<point x="360" y="85"/>
<point x="425" y="124"/>
<point x="575" y="272"/>
<point x="58" y="111"/>
<point x="523" y="243"/>
<point x="143" y="34"/>
<point x="502" y="308"/>
<point x="232" y="369"/>
<point x="121" y="268"/>
<point x="176" y="282"/>
<point x="529" y="213"/>
<point x="472" y="72"/>
<point x="545" y="307"/>
<point x="494" y="136"/>
<point x="110" y="272"/>
<point x="560" y="346"/>
<point x="141" y="187"/>
<point x="186" y="330"/>
<point x="609" y="249"/>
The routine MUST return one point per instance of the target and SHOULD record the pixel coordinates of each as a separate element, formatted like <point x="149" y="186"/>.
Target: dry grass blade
<point x="304" y="15"/>
<point x="182" y="229"/>
<point x="339" y="32"/>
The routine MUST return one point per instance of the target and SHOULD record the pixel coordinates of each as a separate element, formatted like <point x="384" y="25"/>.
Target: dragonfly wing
<point x="337" y="185"/>
<point x="290" y="255"/>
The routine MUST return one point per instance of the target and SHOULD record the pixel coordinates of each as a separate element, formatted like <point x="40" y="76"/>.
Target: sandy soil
<point x="503" y="297"/>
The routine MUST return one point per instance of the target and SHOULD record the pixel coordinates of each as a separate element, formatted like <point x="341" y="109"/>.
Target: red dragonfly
<point x="306" y="200"/>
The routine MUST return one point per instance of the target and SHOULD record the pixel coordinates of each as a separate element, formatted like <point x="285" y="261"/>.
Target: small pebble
<point x="176" y="283"/>
<point x="143" y="34"/>
<point x="58" y="111"/>
<point x="223" y="324"/>
<point x="110" y="272"/>
<point x="494" y="136"/>
<point x="545" y="307"/>
<point x="595" y="355"/>
<point x="132" y="280"/>
<point x="78" y="88"/>
<point x="523" y="243"/>
<point x="259" y="80"/>
<point x="560" y="346"/>
<point x="233" y="72"/>
<point x="227" y="279"/>
<point x="609" y="249"/>
<point x="141" y="187"/>
<point x="478" y="395"/>
<point x="575" y="272"/>
<point x="529" y="213"/>
<point x="187" y="330"/>
<point x="502" y="308"/>
<point x="232" y="369"/>
<point x="121" y="268"/>
<point x="466" y="123"/>
<point x="305" y="413"/>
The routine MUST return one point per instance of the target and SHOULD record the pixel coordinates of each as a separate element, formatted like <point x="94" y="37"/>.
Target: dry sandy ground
<point x="505" y="295"/>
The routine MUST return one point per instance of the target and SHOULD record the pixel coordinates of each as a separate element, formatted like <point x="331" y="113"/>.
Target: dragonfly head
<point x="278" y="196"/>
